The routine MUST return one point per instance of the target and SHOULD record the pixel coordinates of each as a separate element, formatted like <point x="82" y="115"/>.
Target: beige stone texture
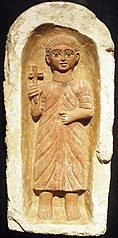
<point x="31" y="30"/>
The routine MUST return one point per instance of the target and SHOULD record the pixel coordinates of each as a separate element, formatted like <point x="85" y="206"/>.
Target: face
<point x="62" y="58"/>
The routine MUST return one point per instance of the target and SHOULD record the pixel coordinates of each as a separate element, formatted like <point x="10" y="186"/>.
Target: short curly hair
<point x="62" y="40"/>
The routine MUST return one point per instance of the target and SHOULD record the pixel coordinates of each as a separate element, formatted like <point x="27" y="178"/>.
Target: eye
<point x="56" y="54"/>
<point x="69" y="54"/>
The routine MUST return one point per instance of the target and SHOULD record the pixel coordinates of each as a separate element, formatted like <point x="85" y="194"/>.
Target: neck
<point x="62" y="77"/>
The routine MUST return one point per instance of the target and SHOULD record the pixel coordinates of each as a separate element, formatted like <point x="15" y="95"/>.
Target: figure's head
<point x="62" y="53"/>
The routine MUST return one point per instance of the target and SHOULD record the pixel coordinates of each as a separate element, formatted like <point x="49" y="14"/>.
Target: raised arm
<point x="33" y="92"/>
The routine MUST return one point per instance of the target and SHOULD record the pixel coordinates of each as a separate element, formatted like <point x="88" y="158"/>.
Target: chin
<point x="63" y="70"/>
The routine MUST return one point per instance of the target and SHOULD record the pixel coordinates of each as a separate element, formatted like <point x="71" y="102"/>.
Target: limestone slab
<point x="26" y="40"/>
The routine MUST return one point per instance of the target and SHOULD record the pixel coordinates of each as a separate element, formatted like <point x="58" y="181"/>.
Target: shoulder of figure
<point x="80" y="83"/>
<point x="84" y="85"/>
<point x="46" y="85"/>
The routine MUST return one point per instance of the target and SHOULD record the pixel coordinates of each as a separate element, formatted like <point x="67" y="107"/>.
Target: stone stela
<point x="59" y="91"/>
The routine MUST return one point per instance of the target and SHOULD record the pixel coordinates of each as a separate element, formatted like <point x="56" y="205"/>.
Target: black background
<point x="107" y="12"/>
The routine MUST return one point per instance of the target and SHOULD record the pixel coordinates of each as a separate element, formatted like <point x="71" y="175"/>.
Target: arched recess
<point x="87" y="69"/>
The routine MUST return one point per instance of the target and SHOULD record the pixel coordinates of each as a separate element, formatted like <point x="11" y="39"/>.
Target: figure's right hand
<point x="33" y="90"/>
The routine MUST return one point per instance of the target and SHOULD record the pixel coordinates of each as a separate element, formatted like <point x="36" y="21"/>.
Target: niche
<point x="87" y="69"/>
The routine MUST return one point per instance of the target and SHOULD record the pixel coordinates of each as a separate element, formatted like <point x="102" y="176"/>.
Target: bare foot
<point x="71" y="206"/>
<point x="45" y="206"/>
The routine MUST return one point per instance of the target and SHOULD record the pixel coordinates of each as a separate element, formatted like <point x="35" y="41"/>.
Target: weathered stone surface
<point x="24" y="47"/>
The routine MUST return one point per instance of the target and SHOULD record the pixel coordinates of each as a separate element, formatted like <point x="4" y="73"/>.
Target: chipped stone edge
<point x="56" y="12"/>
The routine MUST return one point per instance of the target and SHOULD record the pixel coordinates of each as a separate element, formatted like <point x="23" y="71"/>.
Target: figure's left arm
<point x="84" y="110"/>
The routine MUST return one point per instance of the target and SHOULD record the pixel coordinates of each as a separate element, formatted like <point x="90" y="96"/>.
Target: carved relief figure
<point x="61" y="106"/>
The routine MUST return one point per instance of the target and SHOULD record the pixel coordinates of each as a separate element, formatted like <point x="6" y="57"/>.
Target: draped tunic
<point x="60" y="150"/>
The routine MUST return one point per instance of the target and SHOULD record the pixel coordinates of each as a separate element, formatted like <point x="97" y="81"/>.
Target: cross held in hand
<point x="34" y="76"/>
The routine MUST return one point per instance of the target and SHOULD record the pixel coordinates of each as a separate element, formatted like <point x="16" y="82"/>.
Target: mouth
<point x="63" y="64"/>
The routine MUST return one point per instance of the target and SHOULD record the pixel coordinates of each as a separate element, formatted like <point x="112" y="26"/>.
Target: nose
<point x="63" y="58"/>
